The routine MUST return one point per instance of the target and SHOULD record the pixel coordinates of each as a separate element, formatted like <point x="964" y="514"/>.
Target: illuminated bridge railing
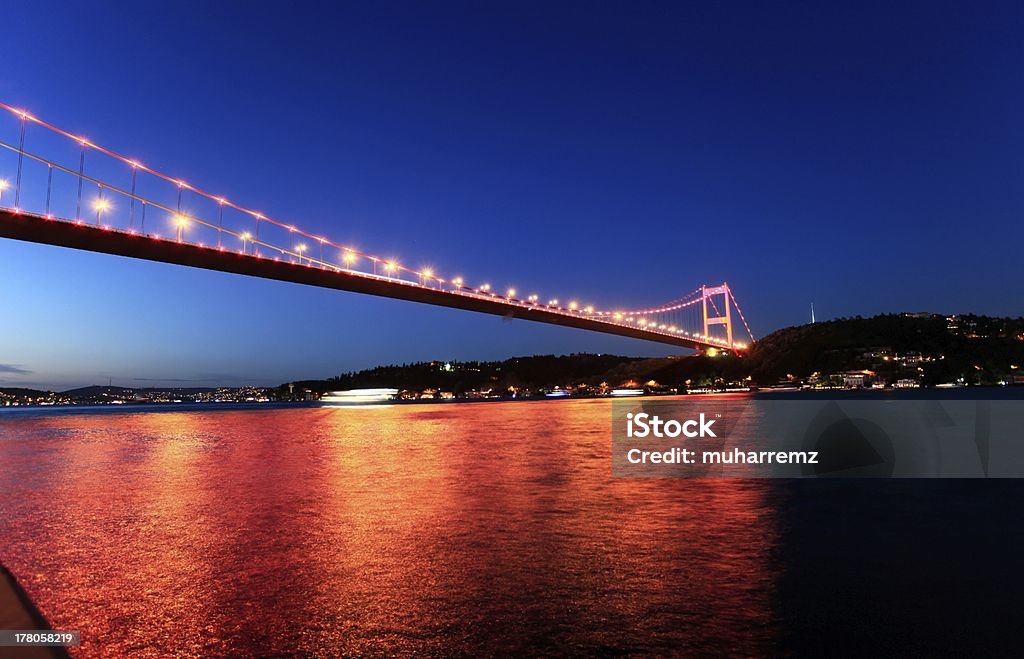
<point x="61" y="177"/>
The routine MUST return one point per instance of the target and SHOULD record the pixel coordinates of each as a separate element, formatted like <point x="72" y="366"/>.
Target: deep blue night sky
<point x="866" y="158"/>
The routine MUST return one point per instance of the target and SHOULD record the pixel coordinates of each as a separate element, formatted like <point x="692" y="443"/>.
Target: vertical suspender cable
<point x="81" y="173"/>
<point x="21" y="158"/>
<point x="49" y="185"/>
<point x="131" y="204"/>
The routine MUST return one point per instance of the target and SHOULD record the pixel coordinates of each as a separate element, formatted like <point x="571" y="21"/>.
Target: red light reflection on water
<point x="428" y="528"/>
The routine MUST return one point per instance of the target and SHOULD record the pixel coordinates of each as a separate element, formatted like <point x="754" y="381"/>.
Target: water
<point x="467" y="529"/>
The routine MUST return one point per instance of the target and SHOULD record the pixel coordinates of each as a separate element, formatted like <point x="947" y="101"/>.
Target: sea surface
<point x="495" y="528"/>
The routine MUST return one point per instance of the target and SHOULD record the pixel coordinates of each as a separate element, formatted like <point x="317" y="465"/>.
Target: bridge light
<point x="428" y="273"/>
<point x="589" y="309"/>
<point x="3" y="186"/>
<point x="643" y="321"/>
<point x="485" y="288"/>
<point x="390" y="266"/>
<point x="221" y="200"/>
<point x="511" y="293"/>
<point x="181" y="221"/>
<point x="572" y="306"/>
<point x="457" y="281"/>
<point x="100" y="205"/>
<point x="532" y="298"/>
<point x="349" y="257"/>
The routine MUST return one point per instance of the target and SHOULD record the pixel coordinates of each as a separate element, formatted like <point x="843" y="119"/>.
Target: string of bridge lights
<point x="350" y="256"/>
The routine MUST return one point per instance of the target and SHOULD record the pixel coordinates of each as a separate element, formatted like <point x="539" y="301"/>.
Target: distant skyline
<point x="866" y="158"/>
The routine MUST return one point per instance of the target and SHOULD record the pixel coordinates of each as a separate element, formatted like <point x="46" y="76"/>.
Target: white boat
<point x="359" y="396"/>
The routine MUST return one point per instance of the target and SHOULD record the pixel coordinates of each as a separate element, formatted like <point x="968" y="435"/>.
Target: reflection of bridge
<point x="136" y="211"/>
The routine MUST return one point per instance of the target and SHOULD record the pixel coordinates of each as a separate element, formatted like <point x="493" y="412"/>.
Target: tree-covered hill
<point x="980" y="349"/>
<point x="930" y="349"/>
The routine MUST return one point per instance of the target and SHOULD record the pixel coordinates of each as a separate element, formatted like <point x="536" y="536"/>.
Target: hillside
<point x="929" y="349"/>
<point x="979" y="349"/>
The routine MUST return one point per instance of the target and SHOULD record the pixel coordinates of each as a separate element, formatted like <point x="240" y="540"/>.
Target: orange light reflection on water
<point x="424" y="528"/>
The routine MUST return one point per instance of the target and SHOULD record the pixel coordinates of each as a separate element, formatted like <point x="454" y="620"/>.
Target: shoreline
<point x="969" y="393"/>
<point x="18" y="611"/>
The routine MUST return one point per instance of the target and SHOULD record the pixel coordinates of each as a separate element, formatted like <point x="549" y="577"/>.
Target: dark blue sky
<point x="867" y="158"/>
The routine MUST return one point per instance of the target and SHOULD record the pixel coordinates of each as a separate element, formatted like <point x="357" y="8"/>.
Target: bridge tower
<point x="708" y="294"/>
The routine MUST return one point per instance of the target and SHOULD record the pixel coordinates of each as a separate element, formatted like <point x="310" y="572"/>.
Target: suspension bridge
<point x="64" y="190"/>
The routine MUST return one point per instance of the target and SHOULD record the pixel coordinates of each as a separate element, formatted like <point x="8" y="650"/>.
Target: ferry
<point x="359" y="396"/>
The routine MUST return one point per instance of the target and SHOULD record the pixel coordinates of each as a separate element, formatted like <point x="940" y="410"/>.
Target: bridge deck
<point x="37" y="229"/>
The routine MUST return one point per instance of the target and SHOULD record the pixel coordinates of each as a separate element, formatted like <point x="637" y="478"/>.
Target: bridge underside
<point x="36" y="229"/>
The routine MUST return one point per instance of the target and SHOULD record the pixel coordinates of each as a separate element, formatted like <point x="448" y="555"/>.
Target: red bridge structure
<point x="122" y="207"/>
